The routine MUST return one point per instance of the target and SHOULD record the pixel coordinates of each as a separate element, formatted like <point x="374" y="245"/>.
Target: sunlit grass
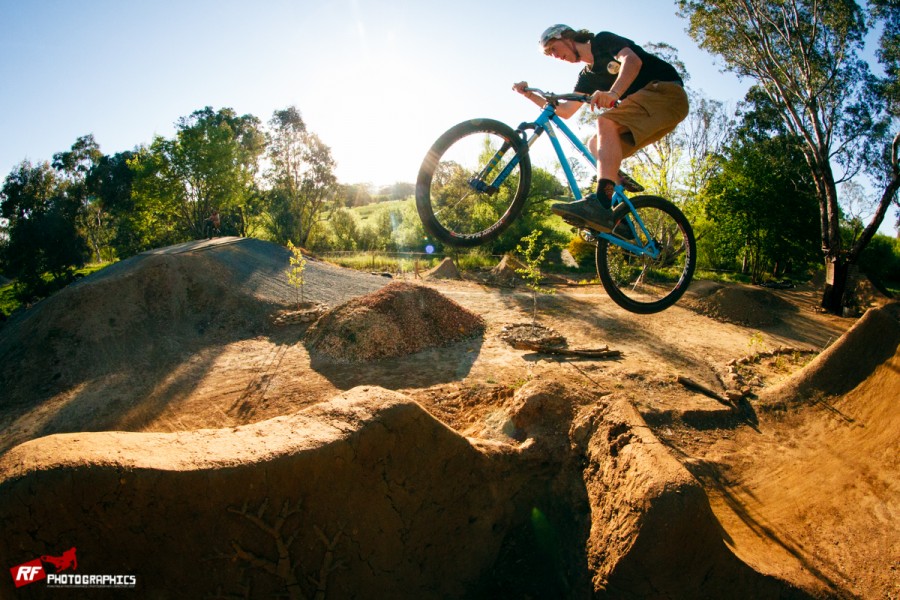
<point x="370" y="210"/>
<point x="385" y="262"/>
<point x="10" y="303"/>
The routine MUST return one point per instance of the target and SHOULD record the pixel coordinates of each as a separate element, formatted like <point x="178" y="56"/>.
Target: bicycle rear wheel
<point x="639" y="282"/>
<point x="473" y="183"/>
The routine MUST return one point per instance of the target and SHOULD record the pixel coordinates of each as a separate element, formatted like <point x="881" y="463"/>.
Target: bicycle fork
<point x="635" y="225"/>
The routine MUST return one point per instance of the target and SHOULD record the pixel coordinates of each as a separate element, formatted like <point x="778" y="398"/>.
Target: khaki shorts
<point x="649" y="114"/>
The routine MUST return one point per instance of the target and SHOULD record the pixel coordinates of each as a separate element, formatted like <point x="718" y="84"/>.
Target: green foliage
<point x="762" y="207"/>
<point x="533" y="256"/>
<point x="468" y="260"/>
<point x="881" y="259"/>
<point x="812" y="82"/>
<point x="545" y="190"/>
<point x="398" y="191"/>
<point x="301" y="177"/>
<point x="41" y="207"/>
<point x="8" y="300"/>
<point x="296" y="269"/>
<point x="352" y="195"/>
<point x="12" y="298"/>
<point x="211" y="163"/>
<point x="392" y="225"/>
<point x="345" y="229"/>
<point x="584" y="253"/>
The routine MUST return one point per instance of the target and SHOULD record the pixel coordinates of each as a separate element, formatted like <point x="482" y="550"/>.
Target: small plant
<point x="295" y="271"/>
<point x="756" y="343"/>
<point x="533" y="256"/>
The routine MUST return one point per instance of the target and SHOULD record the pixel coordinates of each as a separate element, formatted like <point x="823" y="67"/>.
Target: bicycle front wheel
<point x="473" y="183"/>
<point x="654" y="279"/>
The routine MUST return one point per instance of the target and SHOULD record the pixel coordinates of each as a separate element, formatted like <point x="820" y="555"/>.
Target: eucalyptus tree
<point x="86" y="209"/>
<point x="805" y="56"/>
<point x="41" y="228"/>
<point x="109" y="184"/>
<point x="211" y="163"/>
<point x="301" y="178"/>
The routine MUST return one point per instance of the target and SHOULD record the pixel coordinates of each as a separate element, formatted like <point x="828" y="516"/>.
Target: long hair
<point x="580" y="36"/>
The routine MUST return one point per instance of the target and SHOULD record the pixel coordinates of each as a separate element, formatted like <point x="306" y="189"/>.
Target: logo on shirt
<point x="613" y="67"/>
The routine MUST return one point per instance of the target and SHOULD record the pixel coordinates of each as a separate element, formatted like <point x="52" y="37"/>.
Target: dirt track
<point x="183" y="339"/>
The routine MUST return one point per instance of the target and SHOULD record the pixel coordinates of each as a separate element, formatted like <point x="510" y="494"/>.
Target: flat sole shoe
<point x="581" y="223"/>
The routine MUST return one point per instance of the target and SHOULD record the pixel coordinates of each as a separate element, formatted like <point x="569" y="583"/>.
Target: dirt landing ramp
<point x="848" y="362"/>
<point x="653" y="533"/>
<point x="367" y="495"/>
<point x="820" y="504"/>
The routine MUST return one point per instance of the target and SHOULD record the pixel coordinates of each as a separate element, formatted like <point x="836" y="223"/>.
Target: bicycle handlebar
<point x="555" y="98"/>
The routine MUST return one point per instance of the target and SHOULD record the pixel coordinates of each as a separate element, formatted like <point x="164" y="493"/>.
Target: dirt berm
<point x="369" y="496"/>
<point x="164" y="418"/>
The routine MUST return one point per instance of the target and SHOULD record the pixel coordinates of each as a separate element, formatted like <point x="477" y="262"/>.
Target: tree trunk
<point x="836" y="277"/>
<point x="838" y="265"/>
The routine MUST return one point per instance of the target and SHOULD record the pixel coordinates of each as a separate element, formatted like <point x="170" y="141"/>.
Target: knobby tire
<point x="451" y="209"/>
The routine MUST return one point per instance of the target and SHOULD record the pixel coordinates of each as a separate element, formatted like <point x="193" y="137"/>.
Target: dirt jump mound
<point x="118" y="347"/>
<point x="814" y="504"/>
<point x="368" y="494"/>
<point x="742" y="305"/>
<point x="445" y="270"/>
<point x="866" y="346"/>
<point x="397" y="320"/>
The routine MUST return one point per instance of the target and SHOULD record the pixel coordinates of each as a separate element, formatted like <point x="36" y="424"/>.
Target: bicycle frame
<point x="546" y="122"/>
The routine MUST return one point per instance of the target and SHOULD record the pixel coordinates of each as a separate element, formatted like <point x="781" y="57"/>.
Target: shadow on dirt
<point x="716" y="480"/>
<point x="117" y="348"/>
<point x="420" y="370"/>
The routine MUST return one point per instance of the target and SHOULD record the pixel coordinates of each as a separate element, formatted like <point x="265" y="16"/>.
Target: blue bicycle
<point x="475" y="180"/>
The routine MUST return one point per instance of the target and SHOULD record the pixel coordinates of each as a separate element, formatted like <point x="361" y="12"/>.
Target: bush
<point x="583" y="252"/>
<point x="881" y="258"/>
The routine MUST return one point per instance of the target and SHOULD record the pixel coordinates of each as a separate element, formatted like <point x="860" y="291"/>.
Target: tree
<point x="889" y="51"/>
<point x="296" y="270"/>
<point x="301" y="177"/>
<point x="156" y="217"/>
<point x="764" y="207"/>
<point x="398" y="191"/>
<point x="43" y="237"/>
<point x="805" y="57"/>
<point x="211" y="163"/>
<point x="545" y="190"/>
<point x="357" y="194"/>
<point x="75" y="166"/>
<point x="533" y="254"/>
<point x="109" y="183"/>
<point x="345" y="228"/>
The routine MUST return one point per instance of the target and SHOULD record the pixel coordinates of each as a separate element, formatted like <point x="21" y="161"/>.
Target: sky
<point x="377" y="80"/>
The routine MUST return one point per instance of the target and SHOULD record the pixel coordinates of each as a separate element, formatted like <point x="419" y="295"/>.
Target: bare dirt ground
<point x="189" y="338"/>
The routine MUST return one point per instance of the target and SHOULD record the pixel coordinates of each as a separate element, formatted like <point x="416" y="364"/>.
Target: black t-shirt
<point x="602" y="74"/>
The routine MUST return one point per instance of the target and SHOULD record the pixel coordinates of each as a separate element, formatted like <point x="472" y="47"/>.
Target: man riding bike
<point x="644" y="97"/>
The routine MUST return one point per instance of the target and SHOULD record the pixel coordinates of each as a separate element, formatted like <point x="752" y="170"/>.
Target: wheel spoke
<point x="455" y="200"/>
<point x="644" y="282"/>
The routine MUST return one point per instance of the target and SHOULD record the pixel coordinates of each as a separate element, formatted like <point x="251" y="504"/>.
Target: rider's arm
<point x="565" y="109"/>
<point x="521" y="87"/>
<point x="568" y="108"/>
<point x="630" y="65"/>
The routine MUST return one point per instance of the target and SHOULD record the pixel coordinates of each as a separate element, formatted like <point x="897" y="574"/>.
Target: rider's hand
<point x="601" y="99"/>
<point x="520" y="87"/>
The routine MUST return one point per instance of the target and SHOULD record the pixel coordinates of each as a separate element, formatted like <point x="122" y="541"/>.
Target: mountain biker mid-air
<point x="644" y="97"/>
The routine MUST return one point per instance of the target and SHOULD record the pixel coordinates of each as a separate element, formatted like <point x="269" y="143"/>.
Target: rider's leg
<point x="609" y="157"/>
